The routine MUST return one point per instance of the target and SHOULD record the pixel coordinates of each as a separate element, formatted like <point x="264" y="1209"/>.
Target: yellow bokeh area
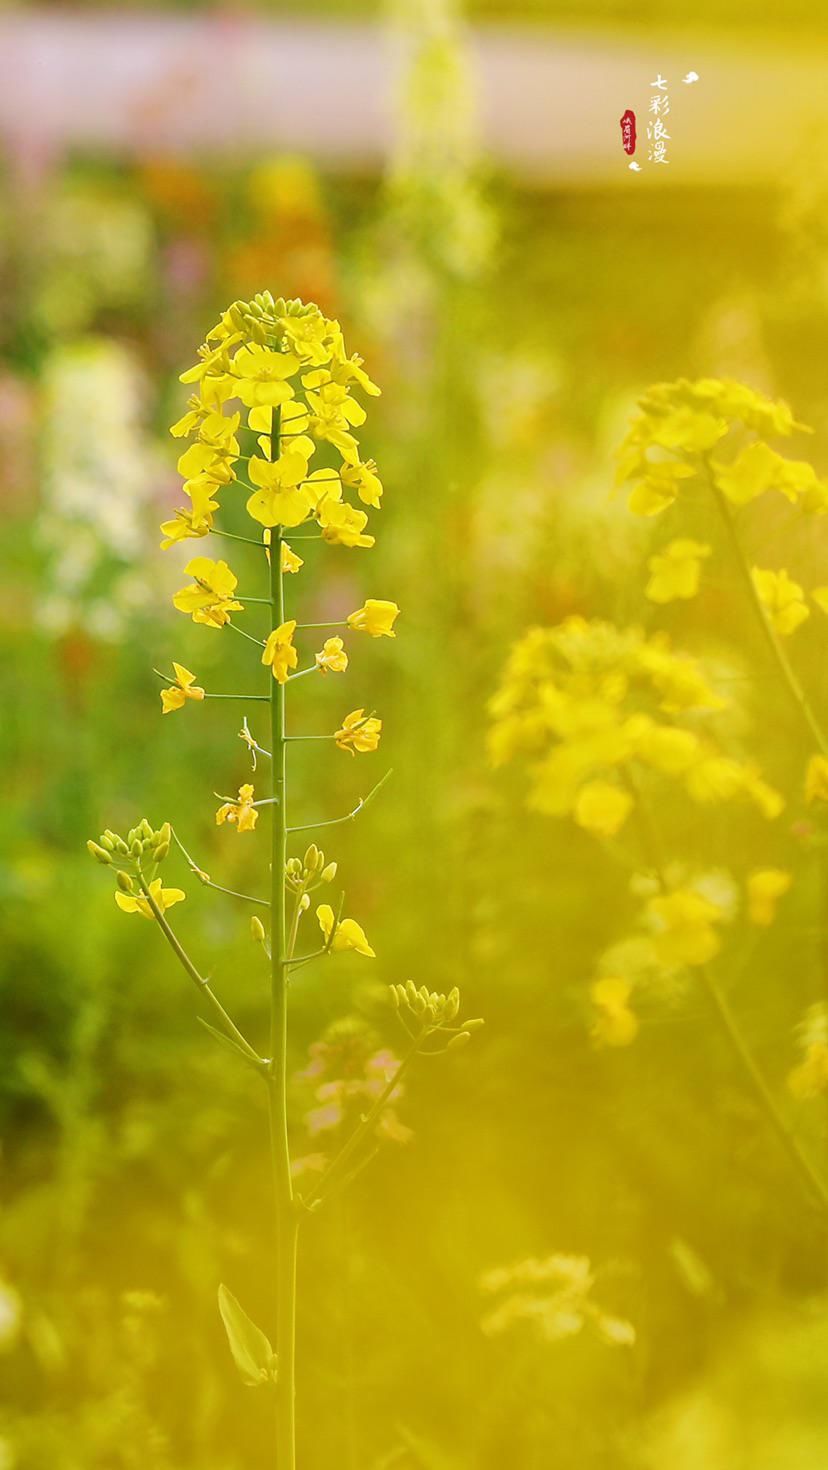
<point x="555" y="599"/>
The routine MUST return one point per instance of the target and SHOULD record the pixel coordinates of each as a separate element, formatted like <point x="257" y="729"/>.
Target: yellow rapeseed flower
<point x="242" y="814"/>
<point x="333" y="413"/>
<point x="279" y="651"/>
<point x="281" y="499"/>
<point x="332" y="658"/>
<point x="184" y="688"/>
<point x="137" y="903"/>
<point x="262" y="375"/>
<point x="359" y="732"/>
<point x="290" y="562"/>
<point x="342" y="525"/>
<point x="364" y="479"/>
<point x="210" y="595"/>
<point x="347" y="934"/>
<point x="195" y="521"/>
<point x="375" y="617"/>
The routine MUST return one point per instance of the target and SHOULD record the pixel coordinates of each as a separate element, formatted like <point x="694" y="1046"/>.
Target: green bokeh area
<point x="511" y="332"/>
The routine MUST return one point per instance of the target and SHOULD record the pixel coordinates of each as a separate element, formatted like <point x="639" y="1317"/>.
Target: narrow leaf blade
<point x="252" y="1353"/>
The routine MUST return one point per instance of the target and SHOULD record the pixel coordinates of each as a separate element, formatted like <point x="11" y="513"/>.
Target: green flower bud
<point x="475" y="1024"/>
<point x="145" y="829"/>
<point x="124" y="881"/>
<point x="461" y="1039"/>
<point x="108" y="841"/>
<point x="99" y="853"/>
<point x="312" y="858"/>
<point x="329" y="873"/>
<point x="452" y="1004"/>
<point x="121" y="846"/>
<point x="136" y="847"/>
<point x="257" y="929"/>
<point x="161" y="851"/>
<point x="304" y="902"/>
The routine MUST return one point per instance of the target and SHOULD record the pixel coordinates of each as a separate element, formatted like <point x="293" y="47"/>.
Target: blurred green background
<point x="511" y="325"/>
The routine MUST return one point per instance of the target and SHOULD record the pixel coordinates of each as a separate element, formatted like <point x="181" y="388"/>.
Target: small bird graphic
<point x="692" y="76"/>
<point x="636" y="167"/>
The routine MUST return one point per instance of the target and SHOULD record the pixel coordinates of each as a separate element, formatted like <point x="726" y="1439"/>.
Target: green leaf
<point x="228" y="1043"/>
<point x="252" y="1353"/>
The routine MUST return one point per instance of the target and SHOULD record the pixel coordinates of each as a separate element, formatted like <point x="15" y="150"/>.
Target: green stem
<point x="203" y="985"/>
<point x="286" y="1216"/>
<point x="795" y="691"/>
<point x="249" y="636"/>
<point x="349" y="816"/>
<point x="814" y="1183"/>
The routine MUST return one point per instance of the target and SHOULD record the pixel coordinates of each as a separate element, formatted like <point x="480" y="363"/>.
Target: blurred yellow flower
<point x="242" y="813"/>
<point x="615" y="1023"/>
<point x="675" y="571"/>
<point x="658" y="487"/>
<point x="332" y="658"/>
<point x="210" y="596"/>
<point x="782" y="599"/>
<point x="765" y="887"/>
<point x="346" y="935"/>
<point x="359" y="732"/>
<point x="279" y="652"/>
<point x="816" y="779"/>
<point x="137" y="903"/>
<point x="810" y="1078"/>
<point x="601" y="808"/>
<point x="375" y="617"/>
<point x="184" y="688"/>
<point x="683" y="926"/>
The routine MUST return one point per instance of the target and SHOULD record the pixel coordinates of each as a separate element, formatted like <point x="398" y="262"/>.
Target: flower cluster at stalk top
<point x="589" y="707"/>
<point x="276" y="373"/>
<point x="685" y="425"/>
<point x="689" y="439"/>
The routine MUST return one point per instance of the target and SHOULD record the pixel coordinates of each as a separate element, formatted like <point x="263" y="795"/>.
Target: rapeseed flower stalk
<point x="611" y="720"/>
<point x="276" y="373"/>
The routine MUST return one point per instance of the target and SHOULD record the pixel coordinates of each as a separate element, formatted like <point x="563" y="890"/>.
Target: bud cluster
<point x="259" y="319"/>
<point x="141" y="848"/>
<point x="424" y="1013"/>
<point x="302" y="875"/>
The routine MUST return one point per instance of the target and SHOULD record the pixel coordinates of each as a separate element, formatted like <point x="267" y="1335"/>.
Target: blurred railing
<point x="549" y="102"/>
